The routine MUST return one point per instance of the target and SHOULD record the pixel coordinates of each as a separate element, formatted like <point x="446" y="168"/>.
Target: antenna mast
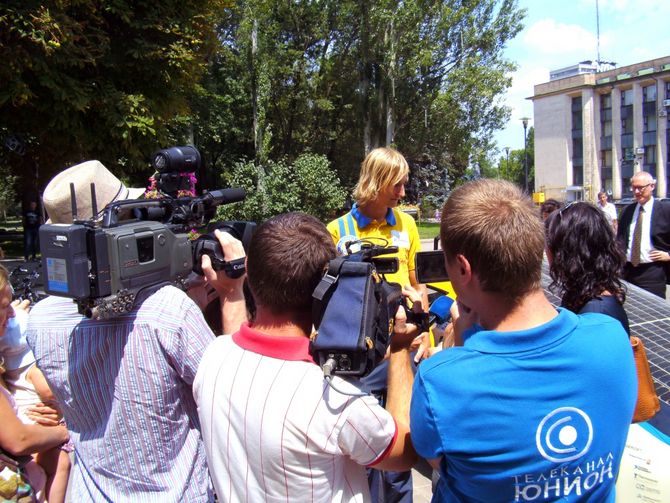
<point x="597" y="36"/>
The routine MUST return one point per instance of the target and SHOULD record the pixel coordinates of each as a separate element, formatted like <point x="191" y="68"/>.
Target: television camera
<point x="354" y="310"/>
<point x="104" y="264"/>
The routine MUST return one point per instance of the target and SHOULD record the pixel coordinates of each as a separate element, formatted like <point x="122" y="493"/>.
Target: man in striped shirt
<point x="124" y="384"/>
<point x="273" y="428"/>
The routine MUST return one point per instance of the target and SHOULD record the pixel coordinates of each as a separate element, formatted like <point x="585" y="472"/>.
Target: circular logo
<point x="564" y="434"/>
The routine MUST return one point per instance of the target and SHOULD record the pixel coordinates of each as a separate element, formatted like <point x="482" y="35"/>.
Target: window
<point x="627" y="125"/>
<point x="650" y="154"/>
<point x="606" y="101"/>
<point x="627" y="154"/>
<point x="606" y="158"/>
<point x="607" y="128"/>
<point x="626" y="97"/>
<point x="649" y="93"/>
<point x="650" y="122"/>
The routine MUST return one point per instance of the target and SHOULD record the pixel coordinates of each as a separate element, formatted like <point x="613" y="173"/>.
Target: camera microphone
<point x="226" y="196"/>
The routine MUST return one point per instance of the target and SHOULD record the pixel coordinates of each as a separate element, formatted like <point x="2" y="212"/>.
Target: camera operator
<point x="374" y="216"/>
<point x="124" y="383"/>
<point x="272" y="425"/>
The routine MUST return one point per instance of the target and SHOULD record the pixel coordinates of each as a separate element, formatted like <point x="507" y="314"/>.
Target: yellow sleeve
<point x="414" y="242"/>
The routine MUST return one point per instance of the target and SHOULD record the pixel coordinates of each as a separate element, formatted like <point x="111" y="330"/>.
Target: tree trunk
<point x="364" y="81"/>
<point x="254" y="89"/>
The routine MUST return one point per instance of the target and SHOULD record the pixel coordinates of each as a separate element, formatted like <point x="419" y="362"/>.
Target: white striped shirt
<point x="275" y="431"/>
<point x="124" y="385"/>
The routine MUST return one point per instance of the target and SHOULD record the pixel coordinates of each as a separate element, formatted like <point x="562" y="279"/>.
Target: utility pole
<point x="506" y="174"/>
<point x="525" y="120"/>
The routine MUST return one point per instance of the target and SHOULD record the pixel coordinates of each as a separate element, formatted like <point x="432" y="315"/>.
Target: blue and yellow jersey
<point x="397" y="229"/>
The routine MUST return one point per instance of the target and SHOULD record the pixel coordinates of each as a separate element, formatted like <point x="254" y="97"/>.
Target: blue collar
<point x="364" y="221"/>
<point x="489" y="341"/>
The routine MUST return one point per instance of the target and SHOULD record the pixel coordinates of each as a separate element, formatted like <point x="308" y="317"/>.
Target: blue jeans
<point x="30" y="243"/>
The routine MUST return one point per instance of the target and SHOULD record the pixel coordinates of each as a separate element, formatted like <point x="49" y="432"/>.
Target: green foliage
<point x="308" y="184"/>
<point x="88" y="79"/>
<point x="8" y="193"/>
<point x="347" y="76"/>
<point x="255" y="79"/>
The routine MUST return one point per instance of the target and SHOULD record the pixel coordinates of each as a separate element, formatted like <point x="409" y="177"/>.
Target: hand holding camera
<point x="406" y="334"/>
<point x="224" y="280"/>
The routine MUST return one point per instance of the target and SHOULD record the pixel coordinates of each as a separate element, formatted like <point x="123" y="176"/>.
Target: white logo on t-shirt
<point x="564" y="434"/>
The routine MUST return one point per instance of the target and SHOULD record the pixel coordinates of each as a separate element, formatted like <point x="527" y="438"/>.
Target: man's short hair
<point x="497" y="229"/>
<point x="643" y="176"/>
<point x="287" y="257"/>
<point x="381" y="168"/>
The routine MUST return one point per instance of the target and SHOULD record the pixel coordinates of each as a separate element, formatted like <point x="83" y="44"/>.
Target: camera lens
<point x="160" y="162"/>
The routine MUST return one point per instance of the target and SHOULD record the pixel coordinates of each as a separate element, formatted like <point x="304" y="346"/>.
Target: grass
<point x="428" y="230"/>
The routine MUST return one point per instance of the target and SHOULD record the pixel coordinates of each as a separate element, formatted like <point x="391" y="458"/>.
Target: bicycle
<point x="24" y="281"/>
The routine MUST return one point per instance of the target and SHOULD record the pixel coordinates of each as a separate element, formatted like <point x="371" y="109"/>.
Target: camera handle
<point x="207" y="245"/>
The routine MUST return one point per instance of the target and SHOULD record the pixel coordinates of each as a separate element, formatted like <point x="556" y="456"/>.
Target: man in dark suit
<point x="644" y="235"/>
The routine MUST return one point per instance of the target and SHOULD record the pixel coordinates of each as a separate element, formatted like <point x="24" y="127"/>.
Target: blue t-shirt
<point x="533" y="415"/>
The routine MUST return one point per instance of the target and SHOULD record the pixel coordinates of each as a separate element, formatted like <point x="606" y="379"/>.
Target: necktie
<point x="637" y="239"/>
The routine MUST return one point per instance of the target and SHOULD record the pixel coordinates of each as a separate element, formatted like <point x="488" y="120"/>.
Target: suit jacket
<point x="660" y="228"/>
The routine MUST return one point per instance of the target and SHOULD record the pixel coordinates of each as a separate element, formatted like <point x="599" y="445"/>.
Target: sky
<point x="559" y="33"/>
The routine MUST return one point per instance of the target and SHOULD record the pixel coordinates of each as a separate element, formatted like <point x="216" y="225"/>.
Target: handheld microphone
<point x="439" y="310"/>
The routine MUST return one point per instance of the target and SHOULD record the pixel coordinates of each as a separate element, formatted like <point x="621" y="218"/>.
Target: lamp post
<point x="506" y="164"/>
<point x="525" y="120"/>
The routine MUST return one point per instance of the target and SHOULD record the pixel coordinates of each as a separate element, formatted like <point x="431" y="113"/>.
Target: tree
<point x="308" y="184"/>
<point x="7" y="191"/>
<point x="89" y="79"/>
<point x="254" y="79"/>
<point x="351" y="75"/>
<point x="514" y="170"/>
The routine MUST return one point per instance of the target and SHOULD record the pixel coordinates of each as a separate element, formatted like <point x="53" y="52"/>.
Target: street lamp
<point x="506" y="164"/>
<point x="525" y="120"/>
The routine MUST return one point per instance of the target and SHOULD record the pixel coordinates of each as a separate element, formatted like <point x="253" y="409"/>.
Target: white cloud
<point x="548" y="36"/>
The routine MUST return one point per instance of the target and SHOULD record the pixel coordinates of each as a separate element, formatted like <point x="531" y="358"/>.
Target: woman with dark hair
<point x="585" y="263"/>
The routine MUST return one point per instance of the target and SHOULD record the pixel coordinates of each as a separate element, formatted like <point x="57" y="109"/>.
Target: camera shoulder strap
<point x="324" y="290"/>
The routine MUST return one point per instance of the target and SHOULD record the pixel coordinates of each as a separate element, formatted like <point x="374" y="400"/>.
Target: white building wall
<point x="590" y="141"/>
<point x="553" y="145"/>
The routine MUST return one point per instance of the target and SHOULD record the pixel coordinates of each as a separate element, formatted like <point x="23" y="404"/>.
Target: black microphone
<point x="225" y="196"/>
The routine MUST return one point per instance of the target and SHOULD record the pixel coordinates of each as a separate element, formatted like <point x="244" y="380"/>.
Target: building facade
<point x="593" y="131"/>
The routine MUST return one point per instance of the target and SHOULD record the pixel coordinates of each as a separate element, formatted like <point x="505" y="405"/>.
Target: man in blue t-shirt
<point x="536" y="403"/>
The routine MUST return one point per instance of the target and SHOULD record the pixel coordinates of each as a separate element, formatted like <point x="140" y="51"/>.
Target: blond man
<point x="375" y="217"/>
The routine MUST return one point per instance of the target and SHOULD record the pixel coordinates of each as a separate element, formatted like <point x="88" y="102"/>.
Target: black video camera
<point x="354" y="310"/>
<point x="138" y="244"/>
